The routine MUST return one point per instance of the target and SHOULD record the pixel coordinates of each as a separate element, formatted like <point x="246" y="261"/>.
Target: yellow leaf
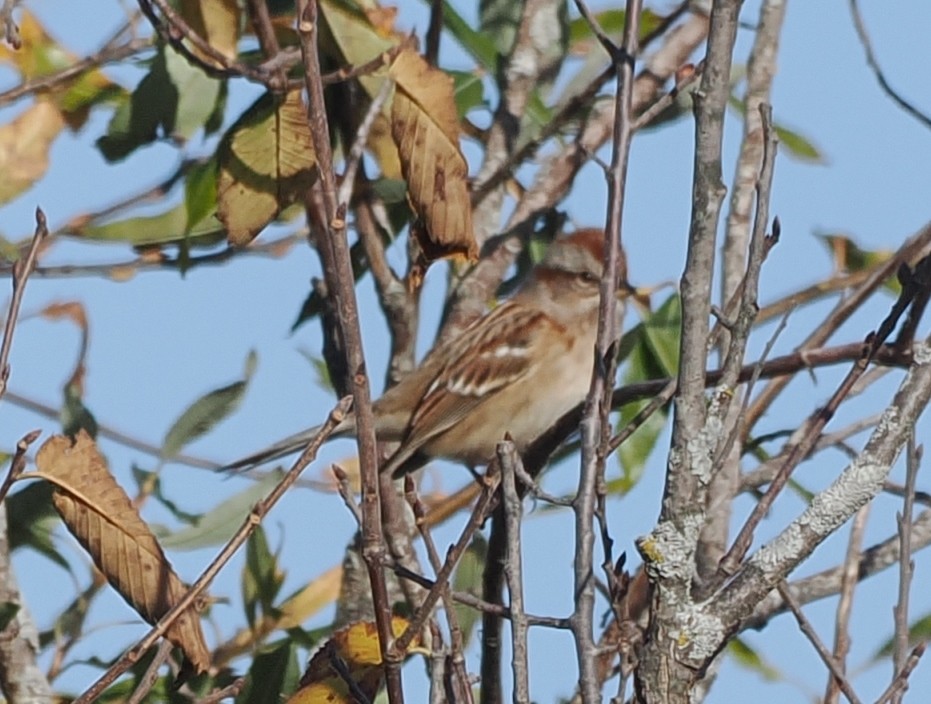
<point x="316" y="595"/>
<point x="41" y="55"/>
<point x="266" y="161"/>
<point x="356" y="39"/>
<point x="383" y="148"/>
<point x="101" y="516"/>
<point x="216" y="21"/>
<point x="356" y="649"/>
<point x="425" y="127"/>
<point x="24" y="147"/>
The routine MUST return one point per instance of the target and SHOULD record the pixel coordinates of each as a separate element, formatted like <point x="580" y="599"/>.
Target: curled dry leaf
<point x="352" y="652"/>
<point x="101" y="516"/>
<point x="425" y="126"/>
<point x="265" y="162"/>
<point x="66" y="310"/>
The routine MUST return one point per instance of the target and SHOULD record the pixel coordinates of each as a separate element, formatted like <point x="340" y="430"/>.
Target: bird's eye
<point x="588" y="277"/>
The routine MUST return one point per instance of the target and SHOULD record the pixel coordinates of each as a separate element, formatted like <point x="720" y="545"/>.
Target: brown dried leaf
<point x="101" y="516"/>
<point x="68" y="310"/>
<point x="265" y="162"/>
<point x="425" y="126"/>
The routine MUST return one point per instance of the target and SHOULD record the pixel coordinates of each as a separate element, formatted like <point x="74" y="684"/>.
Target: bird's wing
<point x="484" y="359"/>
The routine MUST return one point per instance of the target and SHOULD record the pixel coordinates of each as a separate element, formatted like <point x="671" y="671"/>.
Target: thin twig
<point x="231" y="691"/>
<point x="345" y="492"/>
<point x="906" y="565"/>
<point x="150" y="676"/>
<point x="434" y="32"/>
<point x="595" y="26"/>
<point x="479" y="604"/>
<point x="358" y="145"/>
<point x="18" y="465"/>
<point x="513" y="514"/>
<point x="914" y="247"/>
<point x="334" y="252"/>
<point x="174" y="30"/>
<point x="595" y="427"/>
<point x="823" y="653"/>
<point x="845" y="602"/>
<point x="21" y="271"/>
<point x="900" y="683"/>
<point x="491" y="481"/>
<point x="818" y="421"/>
<point x="457" y="669"/>
<point x="106" y="55"/>
<point x="686" y="77"/>
<point x="271" y="249"/>
<point x="251" y="522"/>
<point x="897" y="98"/>
<point x="10" y="28"/>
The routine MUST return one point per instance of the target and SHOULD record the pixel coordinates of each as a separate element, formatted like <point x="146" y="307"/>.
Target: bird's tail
<point x="288" y="446"/>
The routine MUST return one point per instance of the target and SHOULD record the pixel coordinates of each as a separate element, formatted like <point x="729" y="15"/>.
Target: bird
<point x="515" y="371"/>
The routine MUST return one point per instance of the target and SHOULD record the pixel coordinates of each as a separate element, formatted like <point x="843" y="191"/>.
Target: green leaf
<point x="479" y="45"/>
<point x="274" y="674"/>
<point x="662" y="335"/>
<point x="261" y="579"/>
<point x="469" y="91"/>
<point x="612" y="23"/>
<point x="798" y="145"/>
<point x="265" y="163"/>
<point x="218" y="525"/>
<point x="152" y="482"/>
<point x="849" y="256"/>
<point x="747" y="657"/>
<point x="200" y="193"/>
<point x="651" y="350"/>
<point x="792" y="143"/>
<point x="174" y="99"/>
<point x="74" y="415"/>
<point x="202" y="415"/>
<point x="164" y="229"/>
<point x="32" y="521"/>
<point x="919" y="631"/>
<point x="390" y="190"/>
<point x="197" y="95"/>
<point x="355" y="38"/>
<point x="468" y="578"/>
<point x="499" y="19"/>
<point x="69" y="624"/>
<point x="635" y="450"/>
<point x="320" y="368"/>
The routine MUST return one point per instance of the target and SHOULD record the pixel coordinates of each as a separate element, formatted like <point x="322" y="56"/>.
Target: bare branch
<point x="845" y="606"/>
<point x="906" y="566"/>
<point x="810" y="633"/>
<point x="334" y="252"/>
<point x="595" y="428"/>
<point x="896" y="97"/>
<point x="513" y="512"/>
<point x="862" y="480"/>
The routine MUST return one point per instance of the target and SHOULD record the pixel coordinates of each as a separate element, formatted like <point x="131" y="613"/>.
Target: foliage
<point x="222" y="86"/>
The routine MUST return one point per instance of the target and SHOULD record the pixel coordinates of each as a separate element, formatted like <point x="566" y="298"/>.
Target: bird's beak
<point x="625" y="290"/>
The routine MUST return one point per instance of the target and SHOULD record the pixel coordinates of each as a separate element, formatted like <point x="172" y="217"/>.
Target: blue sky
<point x="158" y="342"/>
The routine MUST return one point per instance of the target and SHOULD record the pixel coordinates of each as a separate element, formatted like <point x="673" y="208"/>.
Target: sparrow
<point x="514" y="371"/>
